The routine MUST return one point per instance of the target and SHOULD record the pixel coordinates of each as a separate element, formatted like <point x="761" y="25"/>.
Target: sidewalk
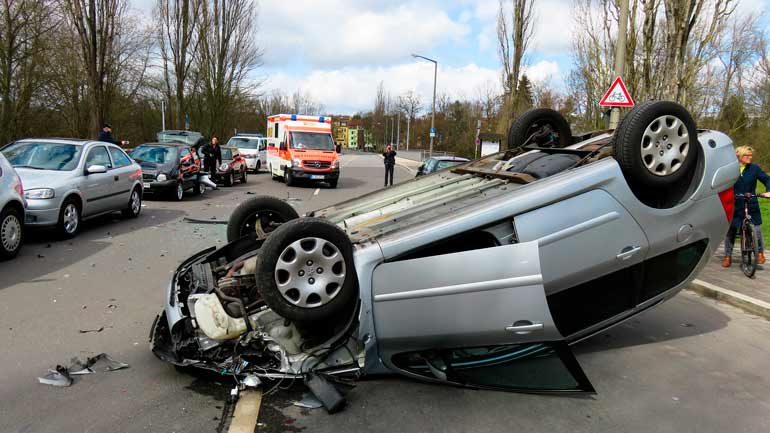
<point x="731" y="286"/>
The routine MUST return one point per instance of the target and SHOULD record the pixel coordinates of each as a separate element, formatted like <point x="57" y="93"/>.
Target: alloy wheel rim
<point x="201" y="188"/>
<point x="310" y="272"/>
<point x="665" y="145"/>
<point x="179" y="191"/>
<point x="10" y="232"/>
<point x="136" y="203"/>
<point x="70" y="218"/>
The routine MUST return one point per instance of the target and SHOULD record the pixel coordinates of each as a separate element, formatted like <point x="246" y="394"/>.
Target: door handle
<point x="117" y="178"/>
<point x="522" y="327"/>
<point x="628" y="252"/>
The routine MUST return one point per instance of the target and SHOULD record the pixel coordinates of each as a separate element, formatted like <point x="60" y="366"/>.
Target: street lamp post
<point x="433" y="111"/>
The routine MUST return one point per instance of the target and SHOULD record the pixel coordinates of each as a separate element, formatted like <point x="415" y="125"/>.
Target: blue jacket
<point x="748" y="183"/>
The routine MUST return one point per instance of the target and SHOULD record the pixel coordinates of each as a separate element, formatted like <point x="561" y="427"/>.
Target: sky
<point x="338" y="51"/>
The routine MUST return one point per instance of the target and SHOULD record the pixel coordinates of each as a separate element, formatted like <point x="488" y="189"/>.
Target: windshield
<point x="187" y="137"/>
<point x="227" y="153"/>
<point x="156" y="154"/>
<point x="311" y="140"/>
<point x="244" y="143"/>
<point x="43" y="156"/>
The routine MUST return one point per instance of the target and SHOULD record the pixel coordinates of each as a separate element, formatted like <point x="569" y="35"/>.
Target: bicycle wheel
<point x="748" y="249"/>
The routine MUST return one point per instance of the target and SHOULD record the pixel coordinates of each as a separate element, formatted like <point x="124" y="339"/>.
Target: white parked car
<point x="253" y="148"/>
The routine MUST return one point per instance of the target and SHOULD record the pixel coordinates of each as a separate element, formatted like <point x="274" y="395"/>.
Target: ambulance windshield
<point x="311" y="140"/>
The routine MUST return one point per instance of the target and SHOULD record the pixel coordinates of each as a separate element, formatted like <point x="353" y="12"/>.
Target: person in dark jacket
<point x="105" y="135"/>
<point x="212" y="156"/>
<point x="747" y="183"/>
<point x="389" y="156"/>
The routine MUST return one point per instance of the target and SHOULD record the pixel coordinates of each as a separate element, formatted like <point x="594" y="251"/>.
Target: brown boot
<point x="761" y="258"/>
<point x="727" y="262"/>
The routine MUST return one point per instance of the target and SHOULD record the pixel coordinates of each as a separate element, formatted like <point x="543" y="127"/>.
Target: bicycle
<point x="748" y="238"/>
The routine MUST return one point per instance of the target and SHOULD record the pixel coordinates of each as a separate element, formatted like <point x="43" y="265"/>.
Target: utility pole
<point x="398" y="129"/>
<point x="408" y="119"/>
<point x="163" y="114"/>
<point x="433" y="111"/>
<point x="620" y="56"/>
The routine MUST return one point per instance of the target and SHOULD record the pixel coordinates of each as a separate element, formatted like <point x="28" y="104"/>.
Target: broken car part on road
<point x="481" y="275"/>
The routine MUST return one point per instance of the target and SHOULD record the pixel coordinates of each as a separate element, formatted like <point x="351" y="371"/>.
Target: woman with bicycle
<point x="746" y="199"/>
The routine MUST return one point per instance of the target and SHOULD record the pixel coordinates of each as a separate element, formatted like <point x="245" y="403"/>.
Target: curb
<point x="746" y="303"/>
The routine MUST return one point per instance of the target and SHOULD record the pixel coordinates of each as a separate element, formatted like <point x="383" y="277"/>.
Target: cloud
<point x="352" y="89"/>
<point x="348" y="32"/>
<point x="554" y="26"/>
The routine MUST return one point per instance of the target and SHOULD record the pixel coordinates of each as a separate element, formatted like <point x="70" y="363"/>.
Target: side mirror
<point x="282" y="146"/>
<point x="96" y="169"/>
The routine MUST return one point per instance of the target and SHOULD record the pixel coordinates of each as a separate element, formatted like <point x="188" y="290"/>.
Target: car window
<point x="119" y="157"/>
<point x="311" y="140"/>
<point x="262" y="144"/>
<point x="446" y="164"/>
<point x="430" y="165"/>
<point x="244" y="142"/>
<point x="184" y="153"/>
<point x="98" y="156"/>
<point x="43" y="156"/>
<point x="156" y="154"/>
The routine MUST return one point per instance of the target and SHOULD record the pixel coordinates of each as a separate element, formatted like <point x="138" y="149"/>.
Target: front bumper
<point x="42" y="212"/>
<point x="155" y="187"/>
<point x="299" y="173"/>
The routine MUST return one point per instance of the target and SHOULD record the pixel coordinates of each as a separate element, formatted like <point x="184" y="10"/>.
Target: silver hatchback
<point x="11" y="211"/>
<point x="68" y="181"/>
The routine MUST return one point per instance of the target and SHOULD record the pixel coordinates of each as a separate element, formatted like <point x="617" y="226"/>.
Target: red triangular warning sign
<point x="617" y="96"/>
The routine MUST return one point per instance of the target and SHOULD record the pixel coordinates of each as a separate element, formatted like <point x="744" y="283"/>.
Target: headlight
<point x="296" y="163"/>
<point x="161" y="177"/>
<point x="336" y="164"/>
<point x="39" y="193"/>
<point x="224" y="166"/>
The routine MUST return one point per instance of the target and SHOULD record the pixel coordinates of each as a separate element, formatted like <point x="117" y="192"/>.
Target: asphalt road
<point x="690" y="365"/>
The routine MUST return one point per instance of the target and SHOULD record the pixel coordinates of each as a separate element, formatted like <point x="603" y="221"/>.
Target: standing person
<point x="105" y="135"/>
<point x="212" y="156"/>
<point x="389" y="156"/>
<point x="747" y="183"/>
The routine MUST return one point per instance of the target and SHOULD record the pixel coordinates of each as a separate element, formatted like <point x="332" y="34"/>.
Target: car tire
<point x="11" y="233"/>
<point x="228" y="180"/>
<point x="333" y="183"/>
<point x="270" y="210"/>
<point x="134" y="207"/>
<point x="177" y="194"/>
<point x="288" y="277"/>
<point x="259" y="167"/>
<point x="530" y="128"/>
<point x="199" y="188"/>
<point x="69" y="219"/>
<point x="656" y="145"/>
<point x="288" y="179"/>
<point x="243" y="174"/>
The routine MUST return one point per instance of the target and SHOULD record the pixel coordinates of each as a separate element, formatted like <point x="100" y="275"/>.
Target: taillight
<point x="19" y="187"/>
<point x="728" y="203"/>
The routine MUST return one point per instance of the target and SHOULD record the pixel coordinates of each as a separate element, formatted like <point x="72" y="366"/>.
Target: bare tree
<point x="513" y="38"/>
<point x="177" y="42"/>
<point x="736" y="52"/>
<point x="95" y="22"/>
<point x="26" y="25"/>
<point x="410" y="104"/>
<point x="227" y="53"/>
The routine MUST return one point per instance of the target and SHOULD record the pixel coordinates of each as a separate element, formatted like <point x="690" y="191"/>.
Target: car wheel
<point x="11" y="233"/>
<point x="656" y="144"/>
<point x="134" y="204"/>
<point x="229" y="179"/>
<point x="243" y="175"/>
<point x="69" y="219"/>
<point x="269" y="211"/>
<point x="333" y="183"/>
<point x="288" y="179"/>
<point x="305" y="271"/>
<point x="541" y="126"/>
<point x="199" y="188"/>
<point x="259" y="167"/>
<point x="178" y="193"/>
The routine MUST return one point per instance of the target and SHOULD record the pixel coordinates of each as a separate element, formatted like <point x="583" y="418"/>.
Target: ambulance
<point x="302" y="148"/>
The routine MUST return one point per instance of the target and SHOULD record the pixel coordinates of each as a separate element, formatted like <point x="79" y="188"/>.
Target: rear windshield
<point x="311" y="140"/>
<point x="43" y="156"/>
<point x="244" y="143"/>
<point x="156" y="154"/>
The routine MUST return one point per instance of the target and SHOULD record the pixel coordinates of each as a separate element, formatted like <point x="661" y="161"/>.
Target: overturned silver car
<point x="481" y="275"/>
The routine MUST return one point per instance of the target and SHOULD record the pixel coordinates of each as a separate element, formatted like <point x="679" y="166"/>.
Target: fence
<point x="421" y="154"/>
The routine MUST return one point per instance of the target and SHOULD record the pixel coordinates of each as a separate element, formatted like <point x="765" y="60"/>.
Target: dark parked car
<point x="169" y="169"/>
<point x="436" y="163"/>
<point x="233" y="166"/>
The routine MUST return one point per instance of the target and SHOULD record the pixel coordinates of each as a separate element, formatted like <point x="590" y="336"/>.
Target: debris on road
<point x="199" y="221"/>
<point x="62" y="376"/>
<point x="58" y="377"/>
<point x="309" y="401"/>
<point x="86" y="331"/>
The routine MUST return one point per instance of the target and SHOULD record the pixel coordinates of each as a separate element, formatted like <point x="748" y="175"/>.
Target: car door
<point x="262" y="151"/>
<point x="124" y="176"/>
<point x="477" y="318"/>
<point x="97" y="187"/>
<point x="187" y="167"/>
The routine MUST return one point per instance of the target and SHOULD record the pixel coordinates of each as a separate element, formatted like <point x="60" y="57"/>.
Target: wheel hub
<point x="70" y="218"/>
<point x="665" y="145"/>
<point x="310" y="272"/>
<point x="10" y="232"/>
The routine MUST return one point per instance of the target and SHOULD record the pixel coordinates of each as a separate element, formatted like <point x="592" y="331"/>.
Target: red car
<point x="233" y="166"/>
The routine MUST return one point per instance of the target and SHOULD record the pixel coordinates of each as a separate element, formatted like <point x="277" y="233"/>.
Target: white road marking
<point x="316" y="191"/>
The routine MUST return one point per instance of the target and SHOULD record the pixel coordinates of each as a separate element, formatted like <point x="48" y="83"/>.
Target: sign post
<point x="620" y="59"/>
<point x="617" y="96"/>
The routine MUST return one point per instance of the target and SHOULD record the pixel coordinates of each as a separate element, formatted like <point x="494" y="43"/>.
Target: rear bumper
<point x="299" y="173"/>
<point x="251" y="163"/>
